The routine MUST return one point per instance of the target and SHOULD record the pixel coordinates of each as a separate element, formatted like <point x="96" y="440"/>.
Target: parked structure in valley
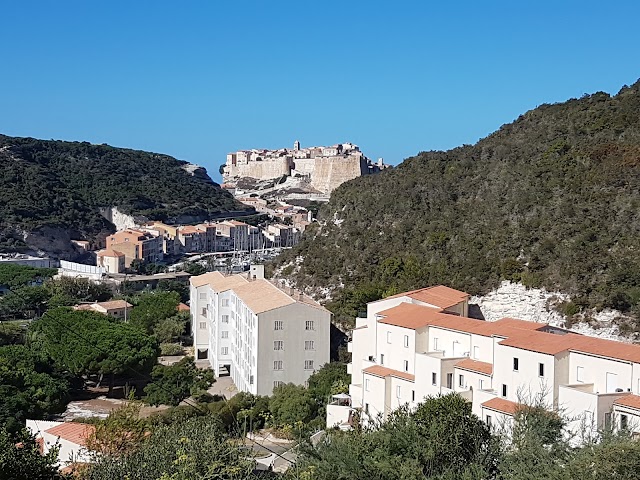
<point x="262" y="334"/>
<point x="421" y="343"/>
<point x="324" y="167"/>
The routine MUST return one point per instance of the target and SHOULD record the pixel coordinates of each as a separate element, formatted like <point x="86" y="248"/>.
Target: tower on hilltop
<point x="296" y="145"/>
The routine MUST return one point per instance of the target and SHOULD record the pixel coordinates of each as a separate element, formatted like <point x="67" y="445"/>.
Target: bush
<point x="170" y="349"/>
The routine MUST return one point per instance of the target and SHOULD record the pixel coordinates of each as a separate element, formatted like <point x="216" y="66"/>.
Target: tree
<point x="291" y="404"/>
<point x="20" y="458"/>
<point x="121" y="433"/>
<point x="194" y="268"/>
<point x="30" y="387"/>
<point x="69" y="291"/>
<point x="171" y="385"/>
<point x="174" y="286"/>
<point x="194" y="448"/>
<point x="153" y="307"/>
<point x="89" y="343"/>
<point x="169" y="329"/>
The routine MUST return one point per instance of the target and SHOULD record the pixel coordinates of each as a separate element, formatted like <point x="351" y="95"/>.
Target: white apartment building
<point x="421" y="343"/>
<point x="260" y="334"/>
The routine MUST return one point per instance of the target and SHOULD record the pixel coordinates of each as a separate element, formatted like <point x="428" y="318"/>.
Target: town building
<point x="111" y="260"/>
<point x="71" y="438"/>
<point x="260" y="333"/>
<point x="113" y="308"/>
<point x="137" y="245"/>
<point x="421" y="343"/>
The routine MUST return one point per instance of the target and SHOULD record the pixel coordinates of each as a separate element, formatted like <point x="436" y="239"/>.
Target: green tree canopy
<point x="172" y="384"/>
<point x="89" y="343"/>
<point x="291" y="404"/>
<point x="20" y="458"/>
<point x="30" y="387"/>
<point x="152" y="307"/>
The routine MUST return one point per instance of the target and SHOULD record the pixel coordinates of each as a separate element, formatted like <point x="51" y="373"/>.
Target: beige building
<point x="111" y="260"/>
<point x="137" y="245"/>
<point x="114" y="308"/>
<point x="420" y="343"/>
<point x="259" y="333"/>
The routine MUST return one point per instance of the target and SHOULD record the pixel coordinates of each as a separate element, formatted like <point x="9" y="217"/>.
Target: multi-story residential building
<point x="237" y="232"/>
<point x="261" y="334"/>
<point x="137" y="245"/>
<point x="111" y="260"/>
<point x="192" y="239"/>
<point x="421" y="343"/>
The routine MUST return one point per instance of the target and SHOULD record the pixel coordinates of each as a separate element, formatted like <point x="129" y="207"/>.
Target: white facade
<point x="411" y="346"/>
<point x="70" y="437"/>
<point x="260" y="334"/>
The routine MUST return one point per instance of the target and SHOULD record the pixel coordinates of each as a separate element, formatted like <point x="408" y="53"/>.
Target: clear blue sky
<point x="197" y="79"/>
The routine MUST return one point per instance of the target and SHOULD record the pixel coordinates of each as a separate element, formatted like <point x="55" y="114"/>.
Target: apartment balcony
<point x="340" y="413"/>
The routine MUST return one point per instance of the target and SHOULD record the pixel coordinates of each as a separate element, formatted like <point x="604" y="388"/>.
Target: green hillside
<point x="65" y="184"/>
<point x="551" y="200"/>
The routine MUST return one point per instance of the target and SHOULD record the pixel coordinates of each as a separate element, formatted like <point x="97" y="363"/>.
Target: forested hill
<point x="61" y="187"/>
<point x="551" y="200"/>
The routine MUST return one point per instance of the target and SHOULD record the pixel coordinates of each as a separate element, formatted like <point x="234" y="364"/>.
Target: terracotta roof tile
<point x="475" y="366"/>
<point x="631" y="401"/>
<point x="501" y="405"/>
<point x="541" y="342"/>
<point x="380" y="371"/>
<point x="113" y="304"/>
<point x="109" y="252"/>
<point x="608" y="348"/>
<point x="261" y="296"/>
<point x="73" y="432"/>
<point x="183" y="307"/>
<point x="439" y="295"/>
<point x="218" y="281"/>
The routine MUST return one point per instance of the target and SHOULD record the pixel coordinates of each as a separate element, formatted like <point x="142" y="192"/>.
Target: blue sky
<point x="197" y="79"/>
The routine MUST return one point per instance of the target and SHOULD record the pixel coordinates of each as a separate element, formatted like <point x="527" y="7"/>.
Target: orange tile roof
<point x="409" y="315"/>
<point x="261" y="296"/>
<point x="439" y="295"/>
<point x="189" y="229"/>
<point x="73" y="432"/>
<point x="520" y="324"/>
<point x="475" y="366"/>
<point x="608" y="348"/>
<point x="501" y="405"/>
<point x="380" y="371"/>
<point x="182" y="307"/>
<point x="113" y="304"/>
<point x="631" y="401"/>
<point x="109" y="252"/>
<point x="218" y="281"/>
<point x="541" y="342"/>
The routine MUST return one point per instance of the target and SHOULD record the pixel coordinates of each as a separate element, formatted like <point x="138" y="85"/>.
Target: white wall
<point x="595" y="371"/>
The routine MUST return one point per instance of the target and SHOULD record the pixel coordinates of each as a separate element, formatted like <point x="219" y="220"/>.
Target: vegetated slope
<point x="551" y="200"/>
<point x="65" y="184"/>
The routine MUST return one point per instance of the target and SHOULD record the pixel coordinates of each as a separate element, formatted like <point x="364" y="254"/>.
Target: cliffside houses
<point x="421" y="343"/>
<point x="260" y="333"/>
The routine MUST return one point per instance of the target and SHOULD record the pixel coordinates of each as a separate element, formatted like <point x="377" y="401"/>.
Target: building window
<point x="203" y="295"/>
<point x="203" y="325"/>
<point x="406" y="365"/>
<point x="476" y="352"/>
<point x="580" y="374"/>
<point x="277" y="365"/>
<point x="435" y="344"/>
<point x="225" y="334"/>
<point x="413" y="395"/>
<point x="309" y="325"/>
<point x="204" y="311"/>
<point x="225" y="318"/>
<point x="388" y="337"/>
<point x="504" y="390"/>
<point x="278" y="325"/>
<point x="366" y="408"/>
<point x="541" y="369"/>
<point x="434" y="378"/>
<point x="278" y="345"/>
<point x="516" y="364"/>
<point x="366" y="384"/>
<point x="488" y="420"/>
<point x="398" y="391"/>
<point x="406" y="341"/>
<point x="277" y="383"/>
<point x="224" y="351"/>
<point x="225" y="302"/>
<point x="461" y="380"/>
<point x="308" y="364"/>
<point x="480" y="383"/>
<point x="251" y="380"/>
<point x="309" y="345"/>
<point x="382" y="359"/>
<point x="450" y="381"/>
<point x="607" y="420"/>
<point x="624" y="422"/>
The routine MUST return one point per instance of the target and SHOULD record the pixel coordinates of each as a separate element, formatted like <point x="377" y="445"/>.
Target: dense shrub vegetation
<point x="550" y="200"/>
<point x="65" y="184"/>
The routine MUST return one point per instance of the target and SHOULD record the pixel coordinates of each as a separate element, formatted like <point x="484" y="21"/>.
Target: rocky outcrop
<point x="120" y="219"/>
<point x="514" y="300"/>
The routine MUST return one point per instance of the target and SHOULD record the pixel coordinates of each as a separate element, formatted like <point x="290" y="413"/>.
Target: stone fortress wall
<point x="324" y="167"/>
